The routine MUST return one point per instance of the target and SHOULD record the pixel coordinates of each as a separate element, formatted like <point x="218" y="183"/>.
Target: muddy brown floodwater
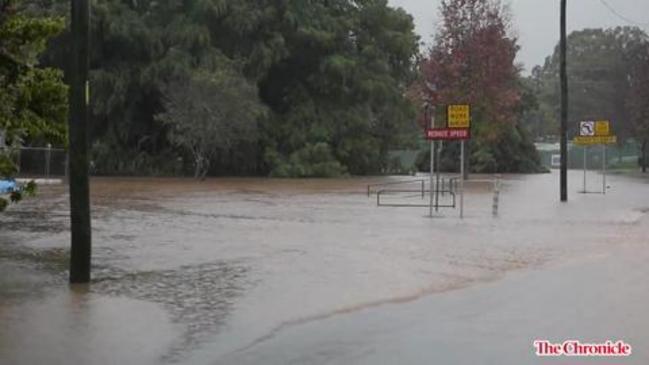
<point x="232" y="271"/>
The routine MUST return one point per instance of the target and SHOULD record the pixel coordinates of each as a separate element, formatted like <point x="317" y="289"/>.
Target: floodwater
<point x="250" y="271"/>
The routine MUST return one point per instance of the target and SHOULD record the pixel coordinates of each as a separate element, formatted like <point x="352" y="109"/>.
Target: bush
<point x="314" y="160"/>
<point x="107" y="160"/>
<point x="512" y="152"/>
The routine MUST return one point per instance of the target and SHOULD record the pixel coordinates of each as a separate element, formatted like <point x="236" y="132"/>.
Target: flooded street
<point x="250" y="271"/>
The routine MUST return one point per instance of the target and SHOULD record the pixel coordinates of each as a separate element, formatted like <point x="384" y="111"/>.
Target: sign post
<point x="458" y="128"/>
<point x="437" y="175"/>
<point x="432" y="162"/>
<point x="586" y="129"/>
<point x="462" y="180"/>
<point x="595" y="133"/>
<point x="604" y="162"/>
<point x="459" y="117"/>
<point x="602" y="128"/>
<point x="585" y="162"/>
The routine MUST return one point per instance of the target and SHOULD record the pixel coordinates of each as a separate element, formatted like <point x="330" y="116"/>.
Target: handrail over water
<point x="381" y="193"/>
<point x="452" y="182"/>
<point x="443" y="185"/>
<point x="404" y="182"/>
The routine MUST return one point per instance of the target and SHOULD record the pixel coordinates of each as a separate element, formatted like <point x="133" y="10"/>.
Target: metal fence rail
<point x="446" y="185"/>
<point x="442" y="187"/>
<point x="422" y="182"/>
<point x="383" y="193"/>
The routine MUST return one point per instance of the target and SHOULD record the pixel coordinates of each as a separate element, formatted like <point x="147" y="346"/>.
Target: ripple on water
<point x="198" y="298"/>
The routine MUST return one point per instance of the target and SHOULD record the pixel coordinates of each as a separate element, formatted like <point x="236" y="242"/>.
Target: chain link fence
<point x="40" y="162"/>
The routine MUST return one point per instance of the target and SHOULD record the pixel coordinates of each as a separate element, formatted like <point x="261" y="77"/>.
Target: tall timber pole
<point x="81" y="240"/>
<point x="564" y="106"/>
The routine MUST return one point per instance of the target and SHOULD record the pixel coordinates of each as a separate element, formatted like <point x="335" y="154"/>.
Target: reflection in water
<point x="74" y="327"/>
<point x="38" y="216"/>
<point x="198" y="298"/>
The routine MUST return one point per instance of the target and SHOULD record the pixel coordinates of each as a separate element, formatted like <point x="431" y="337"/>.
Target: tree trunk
<point x="198" y="165"/>
<point x="206" y="169"/>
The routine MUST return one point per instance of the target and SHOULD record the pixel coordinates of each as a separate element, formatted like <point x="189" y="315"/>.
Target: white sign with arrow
<point x="587" y="129"/>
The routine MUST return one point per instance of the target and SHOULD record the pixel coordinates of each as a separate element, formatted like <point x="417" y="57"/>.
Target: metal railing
<point x="422" y="182"/>
<point x="444" y="186"/>
<point x="451" y="182"/>
<point x="383" y="193"/>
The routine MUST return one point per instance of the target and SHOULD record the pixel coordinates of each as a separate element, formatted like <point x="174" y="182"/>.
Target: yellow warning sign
<point x="459" y="116"/>
<point x="602" y="128"/>
<point x="586" y="141"/>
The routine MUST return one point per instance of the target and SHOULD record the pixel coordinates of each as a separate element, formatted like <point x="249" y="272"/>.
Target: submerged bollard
<point x="48" y="160"/>
<point x="423" y="189"/>
<point x="496" y="200"/>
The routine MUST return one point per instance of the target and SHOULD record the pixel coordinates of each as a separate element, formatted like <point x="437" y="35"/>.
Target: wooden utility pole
<point x="80" y="251"/>
<point x="564" y="106"/>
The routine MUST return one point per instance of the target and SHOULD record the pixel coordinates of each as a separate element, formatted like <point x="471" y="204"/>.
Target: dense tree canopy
<point x="342" y="86"/>
<point x="600" y="63"/>
<point x="638" y="98"/>
<point x="322" y="85"/>
<point x="331" y="74"/>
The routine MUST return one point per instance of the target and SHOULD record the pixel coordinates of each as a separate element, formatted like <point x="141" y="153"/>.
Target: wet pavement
<point x="593" y="299"/>
<point x="248" y="271"/>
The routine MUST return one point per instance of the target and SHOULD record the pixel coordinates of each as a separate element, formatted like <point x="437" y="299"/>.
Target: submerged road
<point x="598" y="298"/>
<point x="252" y="271"/>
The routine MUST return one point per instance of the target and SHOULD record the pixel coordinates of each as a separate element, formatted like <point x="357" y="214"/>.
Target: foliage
<point x="537" y="117"/>
<point x="342" y="84"/>
<point x="33" y="101"/>
<point x="210" y="114"/>
<point x="331" y="72"/>
<point x="314" y="160"/>
<point x="638" y="97"/>
<point x="472" y="62"/>
<point x="599" y="76"/>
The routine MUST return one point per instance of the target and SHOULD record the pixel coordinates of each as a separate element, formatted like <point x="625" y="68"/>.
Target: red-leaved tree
<point x="473" y="61"/>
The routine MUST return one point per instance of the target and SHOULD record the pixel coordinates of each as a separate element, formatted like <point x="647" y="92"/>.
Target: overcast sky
<point x="537" y="21"/>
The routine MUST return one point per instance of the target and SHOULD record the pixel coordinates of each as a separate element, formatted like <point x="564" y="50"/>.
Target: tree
<point x="638" y="98"/>
<point x="599" y="67"/>
<point x="210" y="114"/>
<point x="340" y="86"/>
<point x="331" y="74"/>
<point x="538" y="117"/>
<point x="472" y="61"/>
<point x="33" y="101"/>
